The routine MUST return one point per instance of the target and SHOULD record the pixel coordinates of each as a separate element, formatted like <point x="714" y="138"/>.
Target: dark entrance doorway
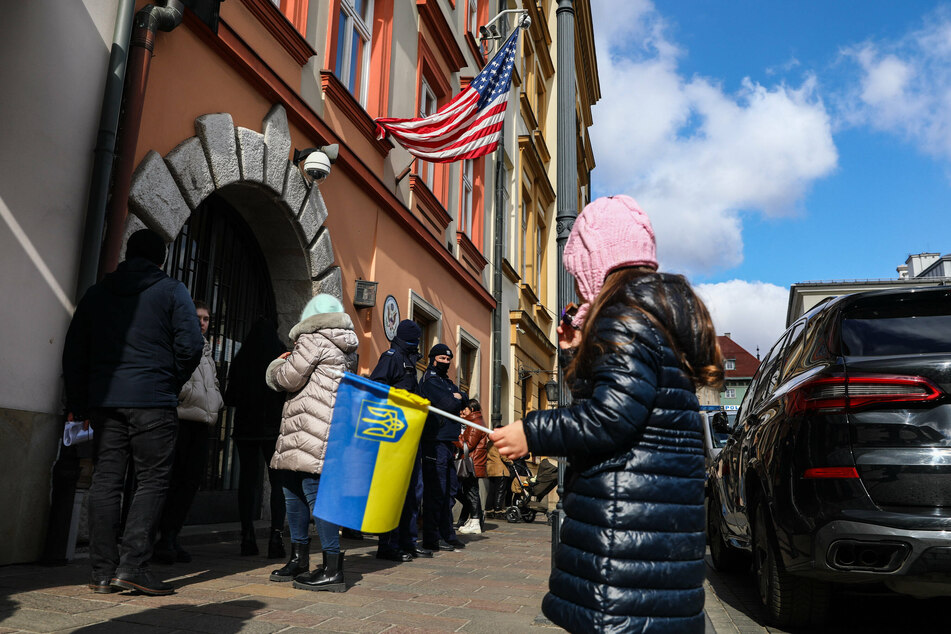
<point x="221" y="263"/>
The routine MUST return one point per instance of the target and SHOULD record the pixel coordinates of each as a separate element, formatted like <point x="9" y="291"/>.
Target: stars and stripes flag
<point x="469" y="125"/>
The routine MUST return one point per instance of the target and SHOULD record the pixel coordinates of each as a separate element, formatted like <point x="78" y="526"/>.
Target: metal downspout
<point x="147" y="22"/>
<point x="496" y="419"/>
<point x="104" y="153"/>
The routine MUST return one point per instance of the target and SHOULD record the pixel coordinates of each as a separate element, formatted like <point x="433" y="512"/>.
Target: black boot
<point x="249" y="543"/>
<point x="298" y="563"/>
<point x="329" y="577"/>
<point x="275" y="545"/>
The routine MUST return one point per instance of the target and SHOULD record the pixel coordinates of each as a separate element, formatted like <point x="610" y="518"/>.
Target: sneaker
<point x="471" y="527"/>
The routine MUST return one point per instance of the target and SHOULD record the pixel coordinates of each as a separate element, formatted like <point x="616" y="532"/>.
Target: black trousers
<point x="253" y="454"/>
<point x="468" y="496"/>
<point x="146" y="438"/>
<point x="500" y="493"/>
<point x="438" y="481"/>
<point x="188" y="470"/>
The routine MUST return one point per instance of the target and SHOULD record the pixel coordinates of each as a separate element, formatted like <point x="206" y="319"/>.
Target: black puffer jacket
<point x="632" y="543"/>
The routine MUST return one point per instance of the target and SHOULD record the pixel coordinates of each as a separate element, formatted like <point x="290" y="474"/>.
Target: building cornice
<point x="281" y="29"/>
<point x="334" y="90"/>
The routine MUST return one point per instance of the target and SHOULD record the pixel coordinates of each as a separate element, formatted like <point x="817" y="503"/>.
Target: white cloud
<point x="693" y="155"/>
<point x="754" y="313"/>
<point x="904" y="86"/>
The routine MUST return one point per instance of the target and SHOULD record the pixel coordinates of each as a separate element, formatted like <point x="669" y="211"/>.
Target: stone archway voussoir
<point x="277" y="143"/>
<point x="250" y="154"/>
<point x="217" y="135"/>
<point x="155" y="198"/>
<point x="189" y="168"/>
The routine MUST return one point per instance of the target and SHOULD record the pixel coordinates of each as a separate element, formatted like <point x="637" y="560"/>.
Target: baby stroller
<point x="530" y="489"/>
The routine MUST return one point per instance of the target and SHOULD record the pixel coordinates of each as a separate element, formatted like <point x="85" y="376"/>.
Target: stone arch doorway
<point x="246" y="177"/>
<point x="252" y="172"/>
<point x="219" y="260"/>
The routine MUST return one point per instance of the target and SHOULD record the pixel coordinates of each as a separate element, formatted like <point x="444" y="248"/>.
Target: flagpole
<point x="459" y="419"/>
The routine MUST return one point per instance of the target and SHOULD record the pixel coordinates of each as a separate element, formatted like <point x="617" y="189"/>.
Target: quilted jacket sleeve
<point x="293" y="374"/>
<point x="623" y="387"/>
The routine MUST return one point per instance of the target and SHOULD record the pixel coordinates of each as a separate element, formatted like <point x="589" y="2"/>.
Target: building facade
<point x="211" y="168"/>
<point x="739" y="366"/>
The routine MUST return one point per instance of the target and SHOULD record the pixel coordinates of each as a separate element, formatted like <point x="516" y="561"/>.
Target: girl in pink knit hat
<point x="632" y="538"/>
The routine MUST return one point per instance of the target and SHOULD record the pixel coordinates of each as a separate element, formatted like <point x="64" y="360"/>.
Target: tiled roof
<point x="746" y="363"/>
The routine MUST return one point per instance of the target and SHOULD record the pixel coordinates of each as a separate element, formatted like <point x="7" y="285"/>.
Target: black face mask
<point x="441" y="367"/>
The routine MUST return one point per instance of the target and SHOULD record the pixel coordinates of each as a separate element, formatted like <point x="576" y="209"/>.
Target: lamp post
<point x="567" y="191"/>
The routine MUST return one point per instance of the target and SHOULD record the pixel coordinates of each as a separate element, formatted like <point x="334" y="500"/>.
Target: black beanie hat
<point x="147" y="244"/>
<point x="409" y="331"/>
<point x="438" y="349"/>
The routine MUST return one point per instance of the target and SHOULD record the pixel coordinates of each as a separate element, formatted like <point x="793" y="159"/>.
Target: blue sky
<point x="777" y="142"/>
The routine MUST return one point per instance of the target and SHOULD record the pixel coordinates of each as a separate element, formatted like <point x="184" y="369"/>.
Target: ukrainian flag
<point x="374" y="436"/>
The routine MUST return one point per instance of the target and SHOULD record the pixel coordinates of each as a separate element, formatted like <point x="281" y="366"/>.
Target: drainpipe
<point x="147" y="22"/>
<point x="66" y="469"/>
<point x="104" y="154"/>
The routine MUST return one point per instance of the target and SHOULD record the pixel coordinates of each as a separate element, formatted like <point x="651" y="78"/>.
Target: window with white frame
<point x="353" y="46"/>
<point x="465" y="216"/>
<point x="429" y="319"/>
<point x="468" y="363"/>
<point x="729" y="392"/>
<point x="504" y="210"/>
<point x="523" y="239"/>
<point x="729" y="364"/>
<point x="427" y="106"/>
<point x="539" y="250"/>
<point x="473" y="16"/>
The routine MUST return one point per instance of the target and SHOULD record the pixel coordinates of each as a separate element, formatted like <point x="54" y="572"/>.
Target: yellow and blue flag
<point x="374" y="437"/>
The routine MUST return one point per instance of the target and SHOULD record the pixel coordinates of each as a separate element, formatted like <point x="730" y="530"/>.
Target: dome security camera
<point x="314" y="163"/>
<point x="317" y="166"/>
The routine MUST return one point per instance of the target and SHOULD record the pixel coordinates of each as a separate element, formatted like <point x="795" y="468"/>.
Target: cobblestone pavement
<point x="495" y="586"/>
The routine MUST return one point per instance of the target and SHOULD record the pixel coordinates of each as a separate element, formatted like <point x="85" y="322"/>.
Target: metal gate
<point x="220" y="262"/>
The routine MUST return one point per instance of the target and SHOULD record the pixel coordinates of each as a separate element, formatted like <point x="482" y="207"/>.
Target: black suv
<point x="839" y="467"/>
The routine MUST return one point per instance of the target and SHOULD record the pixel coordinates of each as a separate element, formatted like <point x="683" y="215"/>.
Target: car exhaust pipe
<point x="849" y="554"/>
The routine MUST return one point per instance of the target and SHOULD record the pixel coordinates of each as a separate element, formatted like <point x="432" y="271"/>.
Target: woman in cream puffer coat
<point x="325" y="346"/>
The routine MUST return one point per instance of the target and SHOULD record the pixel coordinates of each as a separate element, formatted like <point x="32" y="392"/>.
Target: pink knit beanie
<point x="611" y="232"/>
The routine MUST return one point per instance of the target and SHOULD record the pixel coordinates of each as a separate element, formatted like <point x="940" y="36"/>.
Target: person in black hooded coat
<point x="257" y="421"/>
<point x="632" y="541"/>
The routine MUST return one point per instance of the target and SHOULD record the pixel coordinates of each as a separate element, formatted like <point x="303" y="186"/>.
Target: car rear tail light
<point x="845" y="393"/>
<point x="826" y="473"/>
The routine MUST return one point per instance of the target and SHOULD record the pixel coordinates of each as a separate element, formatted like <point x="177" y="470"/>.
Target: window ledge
<point x="281" y="28"/>
<point x="436" y="217"/>
<point x="470" y="253"/>
<point x="510" y="271"/>
<point x="334" y="90"/>
<point x="529" y="294"/>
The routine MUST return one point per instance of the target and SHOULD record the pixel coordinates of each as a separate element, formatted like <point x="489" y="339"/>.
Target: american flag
<point x="467" y="127"/>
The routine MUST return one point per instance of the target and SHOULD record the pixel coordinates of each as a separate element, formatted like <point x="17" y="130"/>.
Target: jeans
<point x="438" y="479"/>
<point x="300" y="492"/>
<point x="404" y="536"/>
<point x="251" y="453"/>
<point x="188" y="470"/>
<point x="468" y="496"/>
<point x="146" y="437"/>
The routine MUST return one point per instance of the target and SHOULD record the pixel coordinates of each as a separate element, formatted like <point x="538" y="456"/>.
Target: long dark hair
<point x="694" y="342"/>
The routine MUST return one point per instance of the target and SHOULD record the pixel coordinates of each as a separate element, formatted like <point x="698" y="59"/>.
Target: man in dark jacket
<point x="397" y="368"/>
<point x="133" y="342"/>
<point x="439" y="434"/>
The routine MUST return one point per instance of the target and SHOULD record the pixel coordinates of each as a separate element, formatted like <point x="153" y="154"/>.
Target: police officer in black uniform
<point x="439" y="434"/>
<point x="397" y="368"/>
